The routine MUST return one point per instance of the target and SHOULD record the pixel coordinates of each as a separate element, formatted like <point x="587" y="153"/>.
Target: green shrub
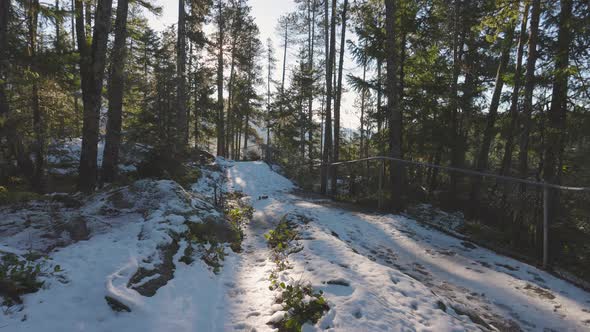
<point x="188" y="178"/>
<point x="300" y="301"/>
<point x="303" y="306"/>
<point x="280" y="238"/>
<point x="20" y="276"/>
<point x="13" y="197"/>
<point x="161" y="165"/>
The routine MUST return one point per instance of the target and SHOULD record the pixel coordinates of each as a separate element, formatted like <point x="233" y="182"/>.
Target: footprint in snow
<point x="338" y="287"/>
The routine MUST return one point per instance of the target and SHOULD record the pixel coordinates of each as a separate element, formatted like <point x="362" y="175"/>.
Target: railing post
<point x="545" y="226"/>
<point x="381" y="172"/>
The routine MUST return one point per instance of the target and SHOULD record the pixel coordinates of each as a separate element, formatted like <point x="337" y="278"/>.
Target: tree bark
<point x="220" y="110"/>
<point x="330" y="56"/>
<point x="509" y="146"/>
<point x="33" y="8"/>
<point x="459" y="36"/>
<point x="556" y="117"/>
<point x="311" y="87"/>
<point x="529" y="87"/>
<point x="57" y="29"/>
<point x="181" y="112"/>
<point x="489" y="131"/>
<point x="116" y="87"/>
<point x="7" y="125"/>
<point x="363" y="97"/>
<point x="338" y="97"/>
<point x="4" y="16"/>
<point x="395" y="114"/>
<point x="286" y="41"/>
<point x="92" y="67"/>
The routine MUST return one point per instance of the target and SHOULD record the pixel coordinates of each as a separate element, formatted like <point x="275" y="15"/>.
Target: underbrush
<point x="298" y="299"/>
<point x="159" y="165"/>
<point x="19" y="276"/>
<point x="14" y="197"/>
<point x="302" y="305"/>
<point x="209" y="239"/>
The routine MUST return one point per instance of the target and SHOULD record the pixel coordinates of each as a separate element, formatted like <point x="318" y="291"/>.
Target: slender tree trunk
<point x="181" y="107"/>
<point x="196" y="116"/>
<point x="455" y="134"/>
<point x="57" y="29"/>
<point x="556" y="117"/>
<point x="7" y="126"/>
<point x="395" y="114"/>
<point x="267" y="156"/>
<point x="363" y="97"/>
<point x="529" y="87"/>
<point x="88" y="16"/>
<point x="230" y="100"/>
<point x="4" y="17"/>
<point x="379" y="110"/>
<point x="286" y="41"/>
<point x="338" y="98"/>
<point x="489" y="131"/>
<point x="116" y="87"/>
<point x="326" y="169"/>
<point x="33" y="8"/>
<point x="92" y="67"/>
<point x="73" y="24"/>
<point x="311" y="87"/>
<point x="220" y="116"/>
<point x="509" y="147"/>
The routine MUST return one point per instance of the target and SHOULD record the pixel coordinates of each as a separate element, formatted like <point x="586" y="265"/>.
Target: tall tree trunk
<point x="509" y="146"/>
<point x="363" y="97"/>
<point x="338" y="98"/>
<point x="556" y="117"/>
<point x="489" y="133"/>
<point x="92" y="67"/>
<point x="7" y="125"/>
<point x="198" y="107"/>
<point x="529" y="87"/>
<point x="73" y="24"/>
<point x="181" y="107"/>
<point x="331" y="55"/>
<point x="230" y="98"/>
<point x="33" y="8"/>
<point x="311" y="87"/>
<point x="395" y="114"/>
<point x="57" y="29"/>
<point x="110" y="158"/>
<point x="220" y="116"/>
<point x="286" y="41"/>
<point x="267" y="156"/>
<point x="88" y="16"/>
<point x="4" y="16"/>
<point x="379" y="110"/>
<point x="459" y="36"/>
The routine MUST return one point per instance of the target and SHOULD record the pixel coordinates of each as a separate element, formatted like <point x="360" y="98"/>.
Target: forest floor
<point x="377" y="272"/>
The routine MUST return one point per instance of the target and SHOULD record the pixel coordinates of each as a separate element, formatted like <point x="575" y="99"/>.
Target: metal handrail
<point x="544" y="185"/>
<point x="466" y="171"/>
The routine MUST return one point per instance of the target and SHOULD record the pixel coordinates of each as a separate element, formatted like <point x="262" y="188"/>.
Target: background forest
<point x="500" y="86"/>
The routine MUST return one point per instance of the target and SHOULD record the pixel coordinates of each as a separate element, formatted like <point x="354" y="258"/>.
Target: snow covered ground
<point x="390" y="273"/>
<point x="377" y="272"/>
<point x="64" y="156"/>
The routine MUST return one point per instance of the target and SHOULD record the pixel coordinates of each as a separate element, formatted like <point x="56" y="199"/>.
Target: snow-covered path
<point x="377" y="272"/>
<point x="390" y="273"/>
